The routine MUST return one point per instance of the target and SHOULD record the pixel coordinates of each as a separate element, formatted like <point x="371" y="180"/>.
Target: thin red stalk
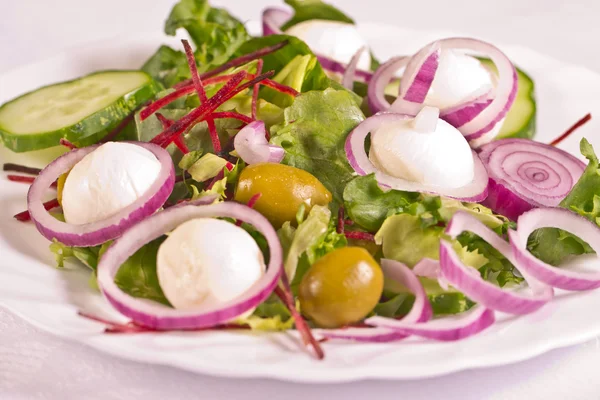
<point x="212" y="129"/>
<point x="236" y="62"/>
<point x="340" y="221"/>
<point x="9" y="167"/>
<point x="357" y="235"/>
<point x="19" y="178"/>
<point x="285" y="294"/>
<point x="348" y="222"/>
<point x="166" y="123"/>
<point x="250" y="204"/>
<point x="572" y="129"/>
<point x="228" y="91"/>
<point x="67" y="144"/>
<point x="259" y="67"/>
<point x="163" y="101"/>
<point x="232" y="114"/>
<point x="119" y="128"/>
<point x="24" y="216"/>
<point x="280" y="87"/>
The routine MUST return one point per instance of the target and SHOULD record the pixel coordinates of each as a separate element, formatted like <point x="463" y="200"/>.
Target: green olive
<point x="283" y="189"/>
<point x="341" y="288"/>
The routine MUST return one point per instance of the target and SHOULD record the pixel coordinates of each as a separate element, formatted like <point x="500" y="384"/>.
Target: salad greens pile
<point x="312" y="128"/>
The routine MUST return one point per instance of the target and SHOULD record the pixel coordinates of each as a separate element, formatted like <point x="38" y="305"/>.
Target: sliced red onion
<point x="251" y="145"/>
<point x="382" y="77"/>
<point x="525" y="174"/>
<point x="420" y="312"/>
<point x="350" y="73"/>
<point x="430" y="268"/>
<point x="562" y="219"/>
<point x="158" y="316"/>
<point x="96" y="233"/>
<point x="419" y="74"/>
<point x="448" y="328"/>
<point x="273" y="19"/>
<point x="476" y="120"/>
<point x="338" y="68"/>
<point x="459" y="115"/>
<point x="476" y="191"/>
<point x="469" y="281"/>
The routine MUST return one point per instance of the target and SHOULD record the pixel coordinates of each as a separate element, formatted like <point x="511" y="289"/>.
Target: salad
<point x="292" y="181"/>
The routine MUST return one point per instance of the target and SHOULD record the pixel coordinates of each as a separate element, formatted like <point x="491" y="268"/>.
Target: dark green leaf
<point x="167" y="66"/>
<point x="368" y="206"/>
<point x="138" y="277"/>
<point x="314" y="134"/>
<point x="314" y="9"/>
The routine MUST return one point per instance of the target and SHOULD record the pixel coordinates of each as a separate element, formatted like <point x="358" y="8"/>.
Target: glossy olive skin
<point x="283" y="189"/>
<point x="341" y="288"/>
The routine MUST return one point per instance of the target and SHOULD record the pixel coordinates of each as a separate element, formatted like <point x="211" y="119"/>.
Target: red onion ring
<point x="96" y="233"/>
<point x="350" y="73"/>
<point x="273" y="18"/>
<point x="158" y="316"/>
<point x="450" y="328"/>
<point x="419" y="74"/>
<point x="251" y="145"/>
<point x="469" y="281"/>
<point x="420" y="312"/>
<point x="460" y="114"/>
<point x="476" y="191"/>
<point x="475" y="120"/>
<point x="525" y="174"/>
<point x="555" y="218"/>
<point x="382" y="76"/>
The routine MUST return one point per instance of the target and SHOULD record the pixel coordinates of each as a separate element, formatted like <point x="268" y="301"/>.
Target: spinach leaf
<point x="216" y="33"/>
<point x="553" y="245"/>
<point x="314" y="9"/>
<point x="167" y="66"/>
<point x="314" y="133"/>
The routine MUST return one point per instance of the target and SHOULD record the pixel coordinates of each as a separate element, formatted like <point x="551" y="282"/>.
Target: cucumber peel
<point x="82" y="111"/>
<point x="520" y="120"/>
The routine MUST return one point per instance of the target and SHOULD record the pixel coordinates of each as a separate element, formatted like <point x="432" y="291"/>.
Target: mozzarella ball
<point x="107" y="180"/>
<point x="207" y="261"/>
<point x="441" y="157"/>
<point x="336" y="40"/>
<point x="457" y="78"/>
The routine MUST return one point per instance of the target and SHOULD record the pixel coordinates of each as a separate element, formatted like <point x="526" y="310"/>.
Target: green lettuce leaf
<point x="167" y="66"/>
<point x="271" y="315"/>
<point x="368" y="206"/>
<point x="216" y="34"/>
<point x="554" y="246"/>
<point x="87" y="255"/>
<point x="314" y="78"/>
<point x="314" y="133"/>
<point x="314" y="9"/>
<point x="208" y="166"/>
<point x="138" y="277"/>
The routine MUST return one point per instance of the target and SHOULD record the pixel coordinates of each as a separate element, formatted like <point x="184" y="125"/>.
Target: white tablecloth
<point x="36" y="365"/>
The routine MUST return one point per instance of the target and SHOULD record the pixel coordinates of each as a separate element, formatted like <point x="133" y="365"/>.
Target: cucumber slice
<point x="82" y="110"/>
<point x="520" y="120"/>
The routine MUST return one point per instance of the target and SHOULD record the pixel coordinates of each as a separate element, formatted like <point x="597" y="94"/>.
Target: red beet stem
<point x="19" y="178"/>
<point x="228" y="91"/>
<point x="212" y="129"/>
<point x="232" y="114"/>
<point x="236" y="62"/>
<point x="166" y="123"/>
<point x="285" y="294"/>
<point x="259" y="68"/>
<point x="163" y="101"/>
<point x="348" y="222"/>
<point x="24" y="216"/>
<point x="572" y="129"/>
<point x="254" y="199"/>
<point x="280" y="87"/>
<point x="340" y="222"/>
<point x="10" y="167"/>
<point x="357" y="235"/>
<point x="67" y="144"/>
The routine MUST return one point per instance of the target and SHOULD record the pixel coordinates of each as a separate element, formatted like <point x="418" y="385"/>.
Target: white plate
<point x="50" y="298"/>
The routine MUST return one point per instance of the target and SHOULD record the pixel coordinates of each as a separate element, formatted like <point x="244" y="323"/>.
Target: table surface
<point x="36" y="365"/>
